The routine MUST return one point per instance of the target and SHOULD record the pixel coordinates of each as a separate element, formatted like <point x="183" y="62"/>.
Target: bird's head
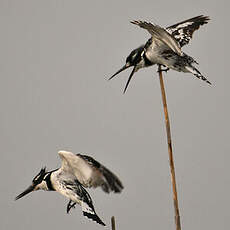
<point x="135" y="56"/>
<point x="37" y="183"/>
<point x="134" y="59"/>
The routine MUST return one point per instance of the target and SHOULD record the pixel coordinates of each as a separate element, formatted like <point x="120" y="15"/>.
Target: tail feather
<point x="94" y="217"/>
<point x="197" y="73"/>
<point x="88" y="211"/>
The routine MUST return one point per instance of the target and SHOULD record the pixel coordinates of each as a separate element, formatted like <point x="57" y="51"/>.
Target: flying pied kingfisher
<point x="76" y="172"/>
<point x="164" y="48"/>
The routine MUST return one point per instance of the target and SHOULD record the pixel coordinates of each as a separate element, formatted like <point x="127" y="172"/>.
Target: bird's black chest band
<point x="147" y="62"/>
<point x="48" y="182"/>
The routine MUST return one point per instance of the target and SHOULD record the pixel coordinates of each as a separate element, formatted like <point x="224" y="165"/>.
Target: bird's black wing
<point x="184" y="30"/>
<point x="111" y="181"/>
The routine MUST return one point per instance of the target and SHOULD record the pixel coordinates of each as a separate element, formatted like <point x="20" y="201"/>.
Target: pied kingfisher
<point x="164" y="48"/>
<point x="76" y="172"/>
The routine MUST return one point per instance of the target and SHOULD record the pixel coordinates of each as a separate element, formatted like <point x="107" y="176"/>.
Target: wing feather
<point x="89" y="172"/>
<point x="161" y="34"/>
<point x="81" y="170"/>
<point x="183" y="31"/>
<point x="110" y="181"/>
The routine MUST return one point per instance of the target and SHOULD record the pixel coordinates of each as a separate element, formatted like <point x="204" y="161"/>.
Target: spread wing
<point x="90" y="172"/>
<point x="110" y="181"/>
<point x="183" y="31"/>
<point x="161" y="34"/>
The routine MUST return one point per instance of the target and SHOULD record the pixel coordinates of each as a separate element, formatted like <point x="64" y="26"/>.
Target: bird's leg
<point x="70" y="205"/>
<point x="162" y="70"/>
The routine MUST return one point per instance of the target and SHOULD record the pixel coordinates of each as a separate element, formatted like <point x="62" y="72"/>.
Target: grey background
<point x="56" y="57"/>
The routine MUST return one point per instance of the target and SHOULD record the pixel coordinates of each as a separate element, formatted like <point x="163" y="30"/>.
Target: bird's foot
<point x="70" y="205"/>
<point x="162" y="70"/>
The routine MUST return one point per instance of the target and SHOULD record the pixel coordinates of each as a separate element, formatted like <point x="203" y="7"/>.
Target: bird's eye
<point x="36" y="178"/>
<point x="134" y="55"/>
<point x="39" y="177"/>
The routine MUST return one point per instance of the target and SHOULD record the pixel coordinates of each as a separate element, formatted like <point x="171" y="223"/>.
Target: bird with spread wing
<point x="164" y="48"/>
<point x="76" y="173"/>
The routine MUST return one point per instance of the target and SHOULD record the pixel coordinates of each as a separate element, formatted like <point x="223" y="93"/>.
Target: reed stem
<point x="170" y="152"/>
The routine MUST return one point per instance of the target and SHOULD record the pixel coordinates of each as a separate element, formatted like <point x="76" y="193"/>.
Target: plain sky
<point x="55" y="59"/>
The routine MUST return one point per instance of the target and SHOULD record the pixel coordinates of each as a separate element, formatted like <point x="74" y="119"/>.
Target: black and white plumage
<point x="100" y="176"/>
<point x="164" y="48"/>
<point x="183" y="31"/>
<point x="77" y="171"/>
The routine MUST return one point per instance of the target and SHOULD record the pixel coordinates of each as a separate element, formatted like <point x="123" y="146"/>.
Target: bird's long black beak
<point x="28" y="190"/>
<point x="126" y="66"/>
<point x="130" y="76"/>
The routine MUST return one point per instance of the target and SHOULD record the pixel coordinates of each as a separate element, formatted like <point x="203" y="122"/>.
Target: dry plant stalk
<point x="171" y="162"/>
<point x="113" y="223"/>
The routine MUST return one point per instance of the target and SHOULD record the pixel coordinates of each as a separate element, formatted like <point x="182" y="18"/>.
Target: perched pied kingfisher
<point x="76" y="172"/>
<point x="164" y="48"/>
